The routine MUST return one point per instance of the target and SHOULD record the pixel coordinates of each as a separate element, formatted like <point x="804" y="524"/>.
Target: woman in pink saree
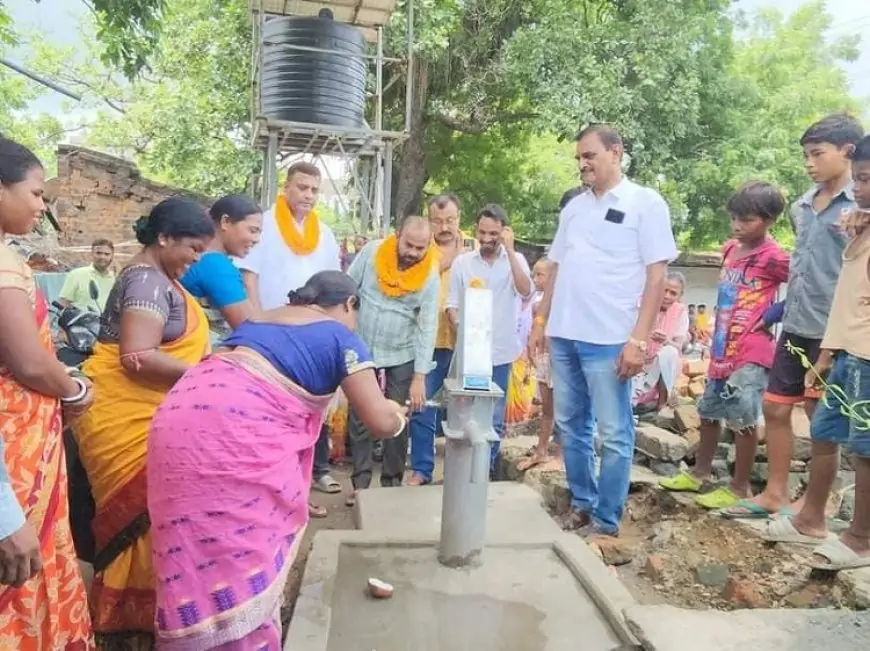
<point x="230" y="459"/>
<point x="655" y="385"/>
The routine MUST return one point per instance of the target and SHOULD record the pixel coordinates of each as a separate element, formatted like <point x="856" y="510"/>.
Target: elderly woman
<point x="655" y="385"/>
<point x="43" y="604"/>
<point x="228" y="480"/>
<point x="152" y="332"/>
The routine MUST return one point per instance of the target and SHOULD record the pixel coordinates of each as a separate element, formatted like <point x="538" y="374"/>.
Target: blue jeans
<point x="586" y="387"/>
<point x="425" y="423"/>
<point x="845" y="424"/>
<point x="501" y="375"/>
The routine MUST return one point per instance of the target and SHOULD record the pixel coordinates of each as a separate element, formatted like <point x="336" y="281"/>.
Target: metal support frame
<point x="371" y="145"/>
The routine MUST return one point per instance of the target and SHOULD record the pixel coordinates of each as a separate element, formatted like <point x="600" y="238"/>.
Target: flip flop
<point x="326" y="484"/>
<point x="840" y="557"/>
<point x="315" y="511"/>
<point x="746" y="510"/>
<point x="782" y="530"/>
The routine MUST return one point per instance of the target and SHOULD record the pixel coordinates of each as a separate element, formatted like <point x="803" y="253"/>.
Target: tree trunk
<point x="411" y="176"/>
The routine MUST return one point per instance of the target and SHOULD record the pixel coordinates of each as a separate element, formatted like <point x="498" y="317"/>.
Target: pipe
<point x="40" y="80"/>
<point x="409" y="86"/>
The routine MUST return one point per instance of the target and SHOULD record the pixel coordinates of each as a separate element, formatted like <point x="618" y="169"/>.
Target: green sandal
<point x="721" y="498"/>
<point x="684" y="482"/>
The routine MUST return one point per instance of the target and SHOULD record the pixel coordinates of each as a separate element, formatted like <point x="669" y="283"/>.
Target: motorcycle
<point x="79" y="331"/>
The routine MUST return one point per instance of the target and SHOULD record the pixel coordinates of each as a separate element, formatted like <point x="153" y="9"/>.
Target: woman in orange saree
<point x="43" y="604"/>
<point x="152" y="332"/>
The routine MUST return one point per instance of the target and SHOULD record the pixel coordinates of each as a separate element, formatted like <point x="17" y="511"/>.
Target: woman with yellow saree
<point x="152" y="332"/>
<point x="43" y="604"/>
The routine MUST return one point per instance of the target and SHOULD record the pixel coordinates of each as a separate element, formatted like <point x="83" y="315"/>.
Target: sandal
<point x="682" y="482"/>
<point x="326" y="484"/>
<point x="315" y="511"/>
<point x="839" y="556"/>
<point x="782" y="530"/>
<point x="746" y="510"/>
<point x="719" y="499"/>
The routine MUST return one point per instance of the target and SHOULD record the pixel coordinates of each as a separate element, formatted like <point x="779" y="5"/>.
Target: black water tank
<point x="317" y="87"/>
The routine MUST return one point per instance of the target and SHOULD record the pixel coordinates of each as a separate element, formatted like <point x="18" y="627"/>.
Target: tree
<point x="187" y="120"/>
<point x="787" y="76"/>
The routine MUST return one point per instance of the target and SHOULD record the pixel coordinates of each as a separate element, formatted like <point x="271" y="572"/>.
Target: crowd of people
<point x="199" y="417"/>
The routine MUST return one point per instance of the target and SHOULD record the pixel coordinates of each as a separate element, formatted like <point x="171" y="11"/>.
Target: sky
<point x="59" y="19"/>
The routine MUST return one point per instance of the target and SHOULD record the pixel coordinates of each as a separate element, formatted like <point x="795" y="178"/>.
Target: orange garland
<point x="395" y="282"/>
<point x="303" y="243"/>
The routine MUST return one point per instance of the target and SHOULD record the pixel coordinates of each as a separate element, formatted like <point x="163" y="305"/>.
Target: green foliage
<point x="186" y="123"/>
<point x="129" y="31"/>
<point x="787" y="76"/>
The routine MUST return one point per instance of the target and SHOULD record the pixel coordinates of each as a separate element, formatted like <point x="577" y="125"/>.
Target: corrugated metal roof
<point x="366" y="14"/>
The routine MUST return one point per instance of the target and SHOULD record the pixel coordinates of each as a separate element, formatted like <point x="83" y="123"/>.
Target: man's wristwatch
<point x="639" y="344"/>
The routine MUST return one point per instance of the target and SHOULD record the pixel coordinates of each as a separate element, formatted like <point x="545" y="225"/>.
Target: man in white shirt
<point x="610" y="252"/>
<point x="295" y="244"/>
<point x="506" y="273"/>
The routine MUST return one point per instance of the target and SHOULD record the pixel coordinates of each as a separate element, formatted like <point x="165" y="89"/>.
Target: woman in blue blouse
<point x="214" y="279"/>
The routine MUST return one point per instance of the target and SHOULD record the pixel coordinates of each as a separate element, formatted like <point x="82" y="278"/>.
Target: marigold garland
<point x="303" y="243"/>
<point x="395" y="282"/>
<point x="477" y="283"/>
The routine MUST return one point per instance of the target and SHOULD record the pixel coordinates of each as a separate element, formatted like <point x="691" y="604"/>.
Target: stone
<point x="696" y="388"/>
<point x="806" y="597"/>
<point x="743" y="594"/>
<point x="802" y="449"/>
<point x="614" y="551"/>
<point x="660" y="444"/>
<point x="693" y="438"/>
<point x="720" y="469"/>
<point x="712" y="575"/>
<point x="847" y="506"/>
<point x="662" y="534"/>
<point x="797" y="466"/>
<point x="687" y="418"/>
<point x="654" y="569"/>
<point x="664" y="469"/>
<point x="759" y="473"/>
<point x="795" y="485"/>
<point x="722" y="450"/>
<point x="697" y="368"/>
<point x="857" y="584"/>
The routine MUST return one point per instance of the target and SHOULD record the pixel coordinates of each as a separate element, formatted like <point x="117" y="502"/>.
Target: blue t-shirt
<point x="316" y="356"/>
<point x="216" y="279"/>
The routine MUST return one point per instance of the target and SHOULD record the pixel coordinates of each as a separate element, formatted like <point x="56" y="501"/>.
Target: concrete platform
<point x="666" y="628"/>
<point x="535" y="596"/>
<point x="514" y="514"/>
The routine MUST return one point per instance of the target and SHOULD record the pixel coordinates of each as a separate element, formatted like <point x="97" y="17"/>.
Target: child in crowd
<point x="753" y="267"/>
<point x="541" y="453"/>
<point x="818" y="257"/>
<point x="842" y="417"/>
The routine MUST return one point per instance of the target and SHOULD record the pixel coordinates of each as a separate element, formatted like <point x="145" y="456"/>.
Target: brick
<point x="696" y="389"/>
<point x="686" y="418"/>
<point x="693" y="438"/>
<point x="655" y="568"/>
<point x="614" y="551"/>
<point x="743" y="594"/>
<point x="660" y="444"/>
<point x="697" y="368"/>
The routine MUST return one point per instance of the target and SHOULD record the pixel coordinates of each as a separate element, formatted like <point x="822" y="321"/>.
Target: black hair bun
<point x="145" y="234"/>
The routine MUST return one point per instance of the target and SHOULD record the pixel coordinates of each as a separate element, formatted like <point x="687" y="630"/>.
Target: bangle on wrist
<point x="541" y="321"/>
<point x="402" y="422"/>
<point x="79" y="395"/>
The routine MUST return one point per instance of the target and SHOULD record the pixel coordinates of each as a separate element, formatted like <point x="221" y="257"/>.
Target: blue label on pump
<point x="476" y="382"/>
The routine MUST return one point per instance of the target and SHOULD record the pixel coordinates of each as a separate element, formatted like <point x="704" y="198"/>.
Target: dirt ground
<point x="685" y="557"/>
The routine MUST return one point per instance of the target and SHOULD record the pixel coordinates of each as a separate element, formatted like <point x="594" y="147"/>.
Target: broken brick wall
<point x="96" y="195"/>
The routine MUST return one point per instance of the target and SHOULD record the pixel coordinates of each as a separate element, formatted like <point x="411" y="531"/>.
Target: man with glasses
<point x="443" y="212"/>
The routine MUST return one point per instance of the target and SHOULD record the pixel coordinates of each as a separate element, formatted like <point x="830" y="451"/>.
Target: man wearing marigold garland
<point x="443" y="212"/>
<point x="498" y="267"/>
<point x="398" y="314"/>
<point x="294" y="246"/>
